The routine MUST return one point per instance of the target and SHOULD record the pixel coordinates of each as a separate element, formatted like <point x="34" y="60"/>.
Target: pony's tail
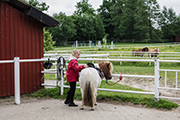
<point x="88" y="98"/>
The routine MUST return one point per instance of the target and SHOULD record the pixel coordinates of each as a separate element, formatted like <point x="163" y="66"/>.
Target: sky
<point x="68" y="6"/>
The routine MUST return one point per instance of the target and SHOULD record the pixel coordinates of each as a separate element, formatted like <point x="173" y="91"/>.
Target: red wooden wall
<point x="20" y="36"/>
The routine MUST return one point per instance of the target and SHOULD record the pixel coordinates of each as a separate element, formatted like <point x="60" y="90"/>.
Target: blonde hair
<point x="75" y="52"/>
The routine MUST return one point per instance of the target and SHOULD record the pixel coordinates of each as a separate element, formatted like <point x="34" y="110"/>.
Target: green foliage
<point x="41" y="6"/>
<point x="169" y="22"/>
<point x="48" y="43"/>
<point x="84" y="8"/>
<point x="133" y="20"/>
<point x="105" y="11"/>
<point x="136" y="99"/>
<point x="64" y="33"/>
<point x="89" y="26"/>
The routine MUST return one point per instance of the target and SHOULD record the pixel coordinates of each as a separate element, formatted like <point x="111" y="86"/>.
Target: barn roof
<point x="33" y="12"/>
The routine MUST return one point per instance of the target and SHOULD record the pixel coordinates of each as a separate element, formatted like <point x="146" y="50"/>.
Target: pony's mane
<point x="110" y="65"/>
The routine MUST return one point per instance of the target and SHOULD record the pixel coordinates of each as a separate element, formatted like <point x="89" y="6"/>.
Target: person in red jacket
<point x="72" y="75"/>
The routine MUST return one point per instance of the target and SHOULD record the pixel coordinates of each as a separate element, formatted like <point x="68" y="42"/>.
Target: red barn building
<point x="21" y="35"/>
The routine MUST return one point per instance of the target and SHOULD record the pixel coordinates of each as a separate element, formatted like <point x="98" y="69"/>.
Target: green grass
<point x="132" y="68"/>
<point x="137" y="99"/>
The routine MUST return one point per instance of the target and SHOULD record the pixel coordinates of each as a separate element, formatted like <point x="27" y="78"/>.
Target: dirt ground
<point x="55" y="109"/>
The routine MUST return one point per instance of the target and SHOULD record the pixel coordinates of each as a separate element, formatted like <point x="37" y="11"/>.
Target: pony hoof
<point x="81" y="108"/>
<point x="92" y="109"/>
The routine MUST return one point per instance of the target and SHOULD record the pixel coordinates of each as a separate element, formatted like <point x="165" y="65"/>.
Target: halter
<point x="100" y="72"/>
<point x="120" y="78"/>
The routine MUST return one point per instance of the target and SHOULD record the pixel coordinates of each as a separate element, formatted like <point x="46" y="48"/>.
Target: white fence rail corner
<point x="156" y="76"/>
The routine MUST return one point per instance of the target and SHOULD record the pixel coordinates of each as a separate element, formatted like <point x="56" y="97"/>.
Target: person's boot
<point x="66" y="102"/>
<point x="72" y="104"/>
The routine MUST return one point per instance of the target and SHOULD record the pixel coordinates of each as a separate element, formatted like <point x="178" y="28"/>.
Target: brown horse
<point x="90" y="80"/>
<point x="139" y="52"/>
<point x="153" y="52"/>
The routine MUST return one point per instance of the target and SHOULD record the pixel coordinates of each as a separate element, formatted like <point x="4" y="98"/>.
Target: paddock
<point x="156" y="76"/>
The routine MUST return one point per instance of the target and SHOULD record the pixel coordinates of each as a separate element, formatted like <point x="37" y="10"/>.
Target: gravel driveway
<point x="55" y="109"/>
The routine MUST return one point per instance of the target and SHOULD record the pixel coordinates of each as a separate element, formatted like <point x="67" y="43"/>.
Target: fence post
<point x="56" y="63"/>
<point x="111" y="44"/>
<point x="90" y="43"/>
<point x="62" y="75"/>
<point x="157" y="79"/>
<point x="120" y="57"/>
<point x="17" y="80"/>
<point x="76" y="43"/>
<point x="108" y="55"/>
<point x="149" y="58"/>
<point x="93" y="54"/>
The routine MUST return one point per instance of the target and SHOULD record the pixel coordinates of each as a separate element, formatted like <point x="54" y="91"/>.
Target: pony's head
<point x="106" y="67"/>
<point x="145" y="49"/>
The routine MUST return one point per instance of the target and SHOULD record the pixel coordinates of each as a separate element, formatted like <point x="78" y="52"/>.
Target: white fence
<point x="156" y="76"/>
<point x="83" y="44"/>
<point x="16" y="62"/>
<point x="77" y="44"/>
<point x="120" y="54"/>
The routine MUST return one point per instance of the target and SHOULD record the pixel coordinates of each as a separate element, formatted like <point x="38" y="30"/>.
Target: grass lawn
<point x="134" y="68"/>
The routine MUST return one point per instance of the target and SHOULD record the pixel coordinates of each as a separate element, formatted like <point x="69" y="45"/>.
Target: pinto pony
<point x="139" y="52"/>
<point x="90" y="80"/>
<point x="153" y="52"/>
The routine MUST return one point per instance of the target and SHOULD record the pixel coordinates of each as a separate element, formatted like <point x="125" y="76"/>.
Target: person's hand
<point x="85" y="65"/>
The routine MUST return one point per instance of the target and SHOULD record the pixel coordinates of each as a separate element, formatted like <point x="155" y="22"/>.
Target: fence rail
<point x="156" y="76"/>
<point x="117" y="54"/>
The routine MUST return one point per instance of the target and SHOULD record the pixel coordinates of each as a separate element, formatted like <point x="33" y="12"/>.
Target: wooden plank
<point x="1" y="34"/>
<point x="3" y="50"/>
<point x="30" y="55"/>
<point x="26" y="70"/>
<point x="7" y="50"/>
<point x="21" y="50"/>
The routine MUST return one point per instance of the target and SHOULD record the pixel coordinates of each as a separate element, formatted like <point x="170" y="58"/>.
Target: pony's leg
<point x="93" y="108"/>
<point x="82" y="106"/>
<point x="95" y="93"/>
<point x="95" y="101"/>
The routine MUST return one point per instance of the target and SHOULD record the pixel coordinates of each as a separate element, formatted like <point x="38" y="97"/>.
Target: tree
<point x="64" y="33"/>
<point x="48" y="43"/>
<point x="127" y="23"/>
<point x="84" y="8"/>
<point x="168" y="22"/>
<point x="41" y="6"/>
<point x="89" y="26"/>
<point x="105" y="13"/>
<point x="153" y="11"/>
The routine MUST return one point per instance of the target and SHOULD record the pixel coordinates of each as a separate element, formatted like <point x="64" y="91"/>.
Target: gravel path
<point x="55" y="109"/>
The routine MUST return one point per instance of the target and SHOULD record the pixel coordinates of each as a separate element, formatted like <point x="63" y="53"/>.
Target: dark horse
<point x="139" y="52"/>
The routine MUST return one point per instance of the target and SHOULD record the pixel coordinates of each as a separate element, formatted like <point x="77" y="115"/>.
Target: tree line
<point x="136" y="20"/>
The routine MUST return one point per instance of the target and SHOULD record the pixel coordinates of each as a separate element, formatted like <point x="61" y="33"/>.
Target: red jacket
<point x="73" y="70"/>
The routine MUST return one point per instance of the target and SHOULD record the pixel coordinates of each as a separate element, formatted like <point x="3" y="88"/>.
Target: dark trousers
<point x="70" y="96"/>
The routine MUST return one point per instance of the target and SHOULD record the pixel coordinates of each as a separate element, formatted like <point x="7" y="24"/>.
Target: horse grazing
<point x="139" y="52"/>
<point x="90" y="80"/>
<point x="153" y="52"/>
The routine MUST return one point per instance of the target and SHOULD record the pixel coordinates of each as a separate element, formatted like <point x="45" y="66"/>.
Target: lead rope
<point x="120" y="78"/>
